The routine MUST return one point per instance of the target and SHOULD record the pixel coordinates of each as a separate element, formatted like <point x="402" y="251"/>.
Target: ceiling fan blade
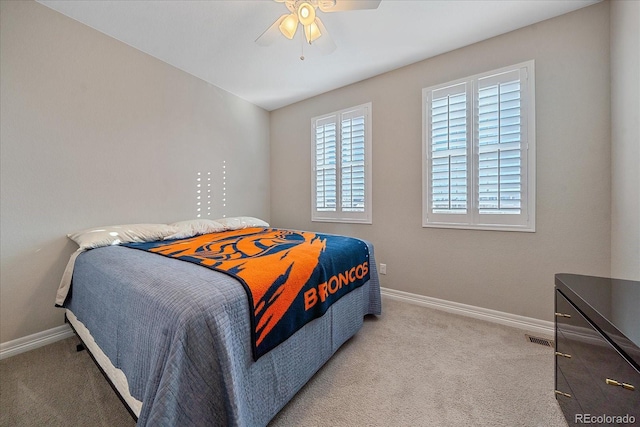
<point x="272" y="33"/>
<point x="343" y="5"/>
<point x="324" y="43"/>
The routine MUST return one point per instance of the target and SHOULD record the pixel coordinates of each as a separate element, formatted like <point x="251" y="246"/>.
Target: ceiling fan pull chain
<point x="301" y="49"/>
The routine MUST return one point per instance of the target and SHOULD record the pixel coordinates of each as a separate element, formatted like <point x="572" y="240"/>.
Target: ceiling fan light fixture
<point x="289" y="25"/>
<point x="306" y="13"/>
<point x="312" y="32"/>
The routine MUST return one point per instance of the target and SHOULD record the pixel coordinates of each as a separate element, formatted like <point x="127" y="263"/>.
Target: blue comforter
<point x="180" y="333"/>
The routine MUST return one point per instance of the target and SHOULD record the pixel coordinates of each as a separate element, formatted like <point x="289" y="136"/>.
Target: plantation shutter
<point x="448" y="150"/>
<point x="479" y="151"/>
<point x="353" y="161"/>
<point x="326" y="171"/>
<point x="499" y="144"/>
<point x="341" y="161"/>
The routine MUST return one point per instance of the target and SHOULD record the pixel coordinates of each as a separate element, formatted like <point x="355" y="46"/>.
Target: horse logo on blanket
<point x="288" y="275"/>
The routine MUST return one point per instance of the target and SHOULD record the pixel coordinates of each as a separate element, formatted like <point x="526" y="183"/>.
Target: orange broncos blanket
<point x="290" y="277"/>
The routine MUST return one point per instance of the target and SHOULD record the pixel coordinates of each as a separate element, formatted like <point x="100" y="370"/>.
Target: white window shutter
<point x="479" y="151"/>
<point x="499" y="144"/>
<point x="326" y="165"/>
<point x="353" y="162"/>
<point x="341" y="160"/>
<point x="449" y="150"/>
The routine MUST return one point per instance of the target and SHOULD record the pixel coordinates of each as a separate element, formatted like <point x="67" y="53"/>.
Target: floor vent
<point x="542" y="341"/>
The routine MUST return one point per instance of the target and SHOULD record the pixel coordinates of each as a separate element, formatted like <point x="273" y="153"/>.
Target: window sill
<point x="485" y="227"/>
<point x="343" y="220"/>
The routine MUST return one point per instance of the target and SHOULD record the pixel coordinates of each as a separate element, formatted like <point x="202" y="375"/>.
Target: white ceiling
<point x="215" y="40"/>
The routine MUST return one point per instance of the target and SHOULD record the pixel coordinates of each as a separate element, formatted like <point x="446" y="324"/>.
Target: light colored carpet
<point x="57" y="386"/>
<point x="412" y="366"/>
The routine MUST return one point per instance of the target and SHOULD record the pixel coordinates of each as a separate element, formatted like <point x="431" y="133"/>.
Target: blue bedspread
<point x="179" y="332"/>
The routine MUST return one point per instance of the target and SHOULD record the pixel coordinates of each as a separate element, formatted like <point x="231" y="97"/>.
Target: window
<point x="341" y="166"/>
<point x="479" y="151"/>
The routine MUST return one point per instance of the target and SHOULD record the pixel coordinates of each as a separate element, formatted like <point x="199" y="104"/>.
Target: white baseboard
<point x="31" y="342"/>
<point x="529" y="324"/>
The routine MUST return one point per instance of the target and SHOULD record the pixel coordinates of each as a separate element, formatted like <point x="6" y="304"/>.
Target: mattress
<point x="117" y="378"/>
<point x="174" y="338"/>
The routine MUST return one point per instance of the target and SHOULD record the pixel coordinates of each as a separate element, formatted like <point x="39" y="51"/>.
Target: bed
<point x="175" y="339"/>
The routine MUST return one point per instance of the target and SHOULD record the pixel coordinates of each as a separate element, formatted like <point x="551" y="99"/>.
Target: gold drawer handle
<point x="563" y="394"/>
<point x="568" y="356"/>
<point x="618" y="383"/>
<point x="563" y="315"/>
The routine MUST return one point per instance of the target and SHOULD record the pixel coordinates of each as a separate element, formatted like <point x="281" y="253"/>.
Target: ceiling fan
<point x="304" y="12"/>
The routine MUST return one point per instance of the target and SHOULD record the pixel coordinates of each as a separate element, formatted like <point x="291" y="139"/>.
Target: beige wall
<point x="94" y="132"/>
<point x="625" y="139"/>
<point x="506" y="271"/>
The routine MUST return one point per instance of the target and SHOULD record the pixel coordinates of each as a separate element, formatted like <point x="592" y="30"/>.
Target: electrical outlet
<point x="383" y="268"/>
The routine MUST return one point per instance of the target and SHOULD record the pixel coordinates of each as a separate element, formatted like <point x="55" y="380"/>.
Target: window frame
<point x="472" y="219"/>
<point x="339" y="215"/>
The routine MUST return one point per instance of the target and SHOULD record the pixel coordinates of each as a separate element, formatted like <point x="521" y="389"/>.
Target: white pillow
<point x="239" y="222"/>
<point x="116" y="234"/>
<point x="194" y="227"/>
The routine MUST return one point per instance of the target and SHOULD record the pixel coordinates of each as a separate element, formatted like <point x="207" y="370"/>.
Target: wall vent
<point x="542" y="341"/>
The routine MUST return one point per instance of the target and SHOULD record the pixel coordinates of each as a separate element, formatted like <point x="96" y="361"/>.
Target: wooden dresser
<point x="597" y="350"/>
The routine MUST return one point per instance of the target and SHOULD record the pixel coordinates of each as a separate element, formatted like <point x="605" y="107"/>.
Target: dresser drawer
<point x="578" y="377"/>
<point x="587" y="360"/>
<point x="566" y="398"/>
